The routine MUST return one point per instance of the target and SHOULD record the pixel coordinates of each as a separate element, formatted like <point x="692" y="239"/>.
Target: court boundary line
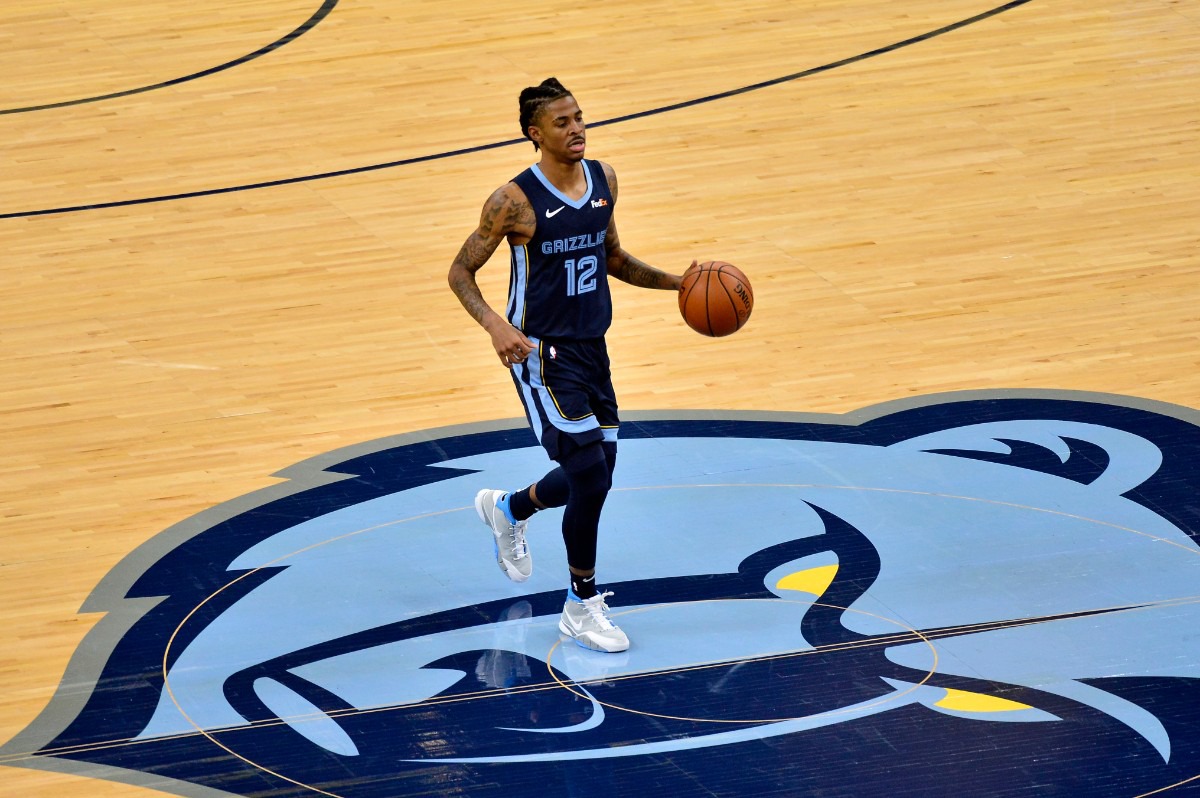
<point x="355" y="170"/>
<point x="310" y="23"/>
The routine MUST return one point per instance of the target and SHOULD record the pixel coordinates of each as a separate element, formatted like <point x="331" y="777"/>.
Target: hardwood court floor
<point x="1009" y="204"/>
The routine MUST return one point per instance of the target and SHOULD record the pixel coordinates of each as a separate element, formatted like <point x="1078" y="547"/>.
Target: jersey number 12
<point x="581" y="275"/>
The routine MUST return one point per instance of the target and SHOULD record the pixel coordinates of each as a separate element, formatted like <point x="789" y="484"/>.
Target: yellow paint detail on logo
<point x="813" y="580"/>
<point x="964" y="701"/>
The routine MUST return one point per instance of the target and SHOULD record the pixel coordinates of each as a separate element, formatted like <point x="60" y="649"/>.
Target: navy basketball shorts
<point x="566" y="388"/>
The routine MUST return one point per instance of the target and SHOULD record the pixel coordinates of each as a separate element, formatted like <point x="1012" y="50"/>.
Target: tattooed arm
<point x="506" y="213"/>
<point x="624" y="266"/>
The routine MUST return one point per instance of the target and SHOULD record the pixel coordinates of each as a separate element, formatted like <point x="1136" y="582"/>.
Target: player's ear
<point x="535" y="134"/>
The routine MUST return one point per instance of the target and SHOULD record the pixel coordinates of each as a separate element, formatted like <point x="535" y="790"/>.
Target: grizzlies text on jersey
<point x="558" y="285"/>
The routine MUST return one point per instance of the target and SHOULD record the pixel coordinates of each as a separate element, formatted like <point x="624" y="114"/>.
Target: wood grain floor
<point x="1010" y="204"/>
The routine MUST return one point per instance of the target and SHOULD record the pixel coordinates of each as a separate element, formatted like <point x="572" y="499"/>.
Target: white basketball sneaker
<point x="587" y="622"/>
<point x="512" y="553"/>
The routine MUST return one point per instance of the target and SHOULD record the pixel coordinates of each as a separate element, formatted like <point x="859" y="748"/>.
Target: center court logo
<point x="980" y="595"/>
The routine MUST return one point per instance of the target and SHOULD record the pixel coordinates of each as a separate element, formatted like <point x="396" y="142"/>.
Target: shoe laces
<point x="598" y="610"/>
<point x="517" y="533"/>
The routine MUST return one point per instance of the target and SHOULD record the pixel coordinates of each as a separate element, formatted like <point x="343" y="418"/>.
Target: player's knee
<point x="589" y="476"/>
<point x="595" y="481"/>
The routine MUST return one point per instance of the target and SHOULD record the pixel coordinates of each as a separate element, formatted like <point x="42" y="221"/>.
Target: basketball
<point x="715" y="298"/>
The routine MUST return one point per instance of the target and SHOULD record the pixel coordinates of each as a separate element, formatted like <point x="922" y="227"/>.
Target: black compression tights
<point x="581" y="484"/>
<point x="581" y="517"/>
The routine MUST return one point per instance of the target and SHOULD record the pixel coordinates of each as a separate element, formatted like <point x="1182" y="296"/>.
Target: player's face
<point x="560" y="130"/>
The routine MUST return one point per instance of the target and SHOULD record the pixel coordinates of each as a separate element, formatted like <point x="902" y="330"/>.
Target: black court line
<point x="508" y="142"/>
<point x="308" y="25"/>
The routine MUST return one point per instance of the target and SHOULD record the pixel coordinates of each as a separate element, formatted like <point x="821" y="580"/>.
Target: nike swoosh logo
<point x="550" y="214"/>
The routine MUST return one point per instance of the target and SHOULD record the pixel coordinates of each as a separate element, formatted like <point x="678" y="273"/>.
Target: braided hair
<point x="535" y="98"/>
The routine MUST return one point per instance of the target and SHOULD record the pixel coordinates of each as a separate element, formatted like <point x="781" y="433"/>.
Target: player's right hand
<point x="511" y="345"/>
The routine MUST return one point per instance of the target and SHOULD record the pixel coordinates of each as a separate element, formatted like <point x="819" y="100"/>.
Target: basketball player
<point x="558" y="219"/>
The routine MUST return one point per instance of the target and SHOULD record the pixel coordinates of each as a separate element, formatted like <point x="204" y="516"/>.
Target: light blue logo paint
<point x="1004" y="577"/>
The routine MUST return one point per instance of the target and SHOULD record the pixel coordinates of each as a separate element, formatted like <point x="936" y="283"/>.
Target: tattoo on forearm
<point x="474" y="253"/>
<point x="629" y="269"/>
<point x="463" y="284"/>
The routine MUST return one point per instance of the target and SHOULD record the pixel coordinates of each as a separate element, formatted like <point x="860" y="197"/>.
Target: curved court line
<point x="1168" y="788"/>
<point x="929" y="493"/>
<point x="308" y="25"/>
<point x="883" y="640"/>
<point x="910" y="636"/>
<point x="883" y="699"/>
<point x="209" y="192"/>
<point x="210" y="734"/>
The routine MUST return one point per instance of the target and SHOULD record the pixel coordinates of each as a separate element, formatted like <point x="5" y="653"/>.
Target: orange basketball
<point x="715" y="298"/>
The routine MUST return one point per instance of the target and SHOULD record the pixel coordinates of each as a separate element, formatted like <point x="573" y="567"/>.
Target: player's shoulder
<point x="609" y="172"/>
<point x="509" y="197"/>
<point x="507" y="211"/>
<point x="610" y="176"/>
<point x="510" y="191"/>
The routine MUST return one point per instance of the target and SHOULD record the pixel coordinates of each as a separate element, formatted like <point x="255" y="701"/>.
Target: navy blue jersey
<point x="558" y="286"/>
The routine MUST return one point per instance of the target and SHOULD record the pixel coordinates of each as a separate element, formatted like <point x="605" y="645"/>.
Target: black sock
<point x="583" y="586"/>
<point x="521" y="505"/>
